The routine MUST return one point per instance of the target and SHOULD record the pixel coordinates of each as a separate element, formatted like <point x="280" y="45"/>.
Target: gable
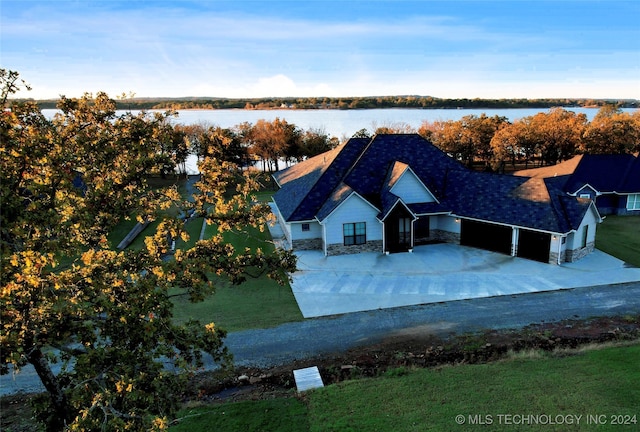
<point x="587" y="190"/>
<point x="410" y="189"/>
<point x="353" y="208"/>
<point x="370" y="174"/>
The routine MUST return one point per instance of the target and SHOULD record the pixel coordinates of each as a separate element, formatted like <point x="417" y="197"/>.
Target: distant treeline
<point x="426" y="102"/>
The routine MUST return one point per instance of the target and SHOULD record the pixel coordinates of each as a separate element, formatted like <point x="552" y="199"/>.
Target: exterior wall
<point x="286" y="227"/>
<point x="576" y="254"/>
<point x="354" y="209"/>
<point x="622" y="207"/>
<point x="409" y="188"/>
<point x="609" y="204"/>
<point x="445" y="228"/>
<point x="553" y="257"/>
<point x="557" y="249"/>
<point x="341" y="249"/>
<point x="612" y="204"/>
<point x="307" y="244"/>
<point x="315" y="230"/>
<point x="574" y="247"/>
<point x="306" y="240"/>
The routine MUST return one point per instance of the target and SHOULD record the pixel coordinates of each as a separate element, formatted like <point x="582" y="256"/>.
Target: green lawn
<point x="256" y="303"/>
<point x="598" y="383"/>
<point x="620" y="236"/>
<point x="284" y="414"/>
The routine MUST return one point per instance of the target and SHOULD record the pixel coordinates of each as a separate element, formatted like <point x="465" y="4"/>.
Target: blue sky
<point x="236" y="48"/>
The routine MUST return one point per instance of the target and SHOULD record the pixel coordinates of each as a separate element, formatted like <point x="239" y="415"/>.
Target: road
<point x="312" y="337"/>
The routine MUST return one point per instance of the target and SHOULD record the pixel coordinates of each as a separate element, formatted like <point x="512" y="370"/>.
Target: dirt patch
<point x="414" y="347"/>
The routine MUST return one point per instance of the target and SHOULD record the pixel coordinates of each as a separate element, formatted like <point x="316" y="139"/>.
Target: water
<point x="342" y="124"/>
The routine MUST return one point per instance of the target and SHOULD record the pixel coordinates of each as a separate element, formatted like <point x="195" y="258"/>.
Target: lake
<point x="344" y="123"/>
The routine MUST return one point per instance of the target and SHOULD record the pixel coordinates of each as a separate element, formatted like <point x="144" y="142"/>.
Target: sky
<point x="296" y="48"/>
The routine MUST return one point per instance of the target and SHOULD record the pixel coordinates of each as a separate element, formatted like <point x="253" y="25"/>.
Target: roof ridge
<point x="322" y="176"/>
<point x="355" y="163"/>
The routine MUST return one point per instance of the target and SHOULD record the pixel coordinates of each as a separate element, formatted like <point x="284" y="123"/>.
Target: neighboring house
<point x="390" y="193"/>
<point x="611" y="181"/>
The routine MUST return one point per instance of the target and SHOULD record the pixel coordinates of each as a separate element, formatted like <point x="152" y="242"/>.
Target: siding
<point x="574" y="240"/>
<point x="409" y="188"/>
<point x="354" y="209"/>
<point x="315" y="231"/>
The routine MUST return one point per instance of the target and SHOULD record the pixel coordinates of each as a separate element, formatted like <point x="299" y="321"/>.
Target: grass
<point x="286" y="414"/>
<point x="257" y="303"/>
<point x="620" y="236"/>
<point x="601" y="382"/>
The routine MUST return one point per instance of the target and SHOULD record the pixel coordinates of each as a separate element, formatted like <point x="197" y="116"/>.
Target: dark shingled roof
<point x="606" y="173"/>
<point x="306" y="186"/>
<point x="631" y="183"/>
<point x="369" y="167"/>
<point x="511" y="200"/>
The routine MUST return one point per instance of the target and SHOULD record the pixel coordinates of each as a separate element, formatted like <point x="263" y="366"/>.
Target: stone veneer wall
<point x="553" y="257"/>
<point x="307" y="244"/>
<point x="576" y="254"/>
<point x="340" y="249"/>
<point x="445" y="236"/>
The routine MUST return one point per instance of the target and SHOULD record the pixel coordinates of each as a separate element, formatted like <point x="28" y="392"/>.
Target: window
<point x="354" y="233"/>
<point x="306" y="227"/>
<point x="585" y="195"/>
<point x="633" y="202"/>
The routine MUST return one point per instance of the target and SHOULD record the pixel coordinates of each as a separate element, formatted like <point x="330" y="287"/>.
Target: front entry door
<point x="404" y="233"/>
<point x="398" y="231"/>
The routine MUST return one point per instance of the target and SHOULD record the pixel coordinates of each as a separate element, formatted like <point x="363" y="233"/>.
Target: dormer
<point x="405" y="184"/>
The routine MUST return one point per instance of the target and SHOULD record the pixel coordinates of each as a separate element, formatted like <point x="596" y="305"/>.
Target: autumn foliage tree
<point x="273" y="141"/>
<point x="104" y="315"/>
<point x="612" y="131"/>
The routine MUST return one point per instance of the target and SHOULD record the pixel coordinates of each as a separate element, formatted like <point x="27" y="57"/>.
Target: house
<point x="393" y="192"/>
<point x="611" y="181"/>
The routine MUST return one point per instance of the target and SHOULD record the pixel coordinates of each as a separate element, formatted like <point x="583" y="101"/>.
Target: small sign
<point x="308" y="378"/>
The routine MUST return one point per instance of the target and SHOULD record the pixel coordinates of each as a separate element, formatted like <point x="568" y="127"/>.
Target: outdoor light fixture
<point x="457" y="220"/>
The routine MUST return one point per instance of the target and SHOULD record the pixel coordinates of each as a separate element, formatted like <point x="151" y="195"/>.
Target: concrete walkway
<point x="435" y="273"/>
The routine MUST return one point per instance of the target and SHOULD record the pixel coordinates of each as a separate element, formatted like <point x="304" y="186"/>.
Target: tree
<point x="222" y="144"/>
<point x="506" y="146"/>
<point x="272" y="141"/>
<point x="612" y="131"/>
<point x="316" y="141"/>
<point x="559" y="133"/>
<point x="105" y="315"/>
<point x="362" y="133"/>
<point x="394" y="128"/>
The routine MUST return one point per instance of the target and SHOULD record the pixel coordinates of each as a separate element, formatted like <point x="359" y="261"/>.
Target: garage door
<point x="484" y="235"/>
<point x="534" y="245"/>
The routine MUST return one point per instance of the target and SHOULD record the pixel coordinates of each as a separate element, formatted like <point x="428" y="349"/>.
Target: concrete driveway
<point x="437" y="273"/>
